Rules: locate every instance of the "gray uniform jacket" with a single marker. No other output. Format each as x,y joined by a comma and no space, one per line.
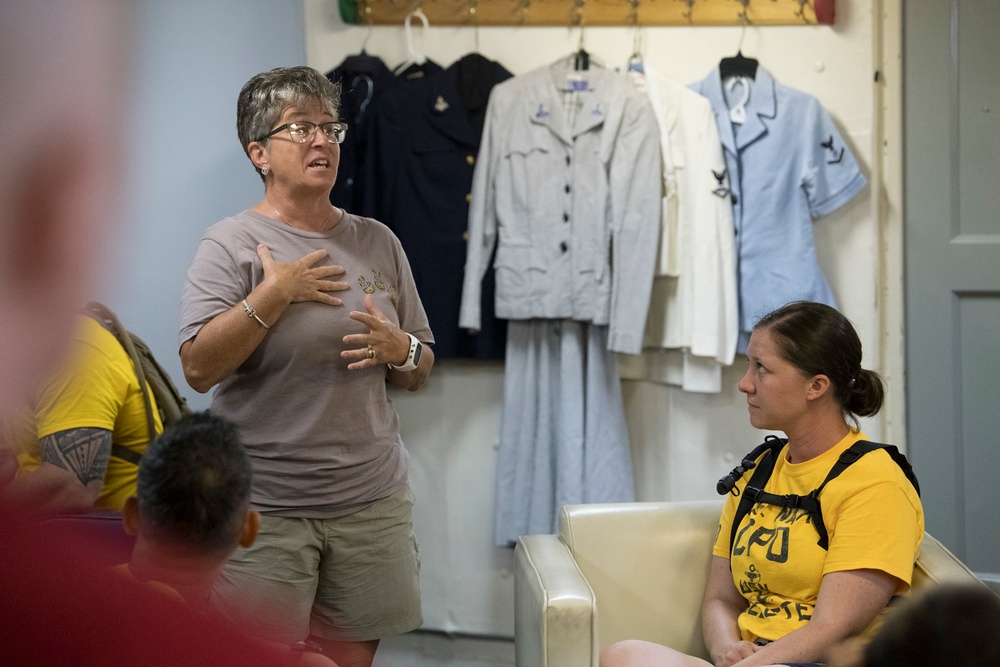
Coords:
567,191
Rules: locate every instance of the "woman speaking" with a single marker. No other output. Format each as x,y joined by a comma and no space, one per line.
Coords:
301,313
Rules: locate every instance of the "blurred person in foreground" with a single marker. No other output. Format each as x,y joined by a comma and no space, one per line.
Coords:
191,511
63,74
777,595
957,625
300,314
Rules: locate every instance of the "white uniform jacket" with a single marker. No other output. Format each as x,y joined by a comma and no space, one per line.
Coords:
567,189
694,307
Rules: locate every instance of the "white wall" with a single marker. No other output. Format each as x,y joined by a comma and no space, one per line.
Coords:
682,442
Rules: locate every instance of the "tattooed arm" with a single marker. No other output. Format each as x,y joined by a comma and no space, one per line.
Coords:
71,475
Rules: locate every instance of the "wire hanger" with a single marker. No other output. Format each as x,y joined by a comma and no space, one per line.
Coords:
581,59
475,25
739,65
371,26
368,36
635,63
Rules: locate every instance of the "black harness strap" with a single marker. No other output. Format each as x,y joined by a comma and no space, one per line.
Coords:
862,447
126,454
754,491
771,447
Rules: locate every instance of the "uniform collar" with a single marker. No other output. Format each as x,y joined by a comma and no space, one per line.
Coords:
446,107
362,63
545,100
762,105
445,110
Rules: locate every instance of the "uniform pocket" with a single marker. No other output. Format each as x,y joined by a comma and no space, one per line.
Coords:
438,160
520,271
524,177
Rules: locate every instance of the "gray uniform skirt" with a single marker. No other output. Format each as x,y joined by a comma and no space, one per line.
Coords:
563,437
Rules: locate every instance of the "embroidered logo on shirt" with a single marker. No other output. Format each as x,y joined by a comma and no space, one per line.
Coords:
597,110
541,113
835,155
440,105
369,286
722,190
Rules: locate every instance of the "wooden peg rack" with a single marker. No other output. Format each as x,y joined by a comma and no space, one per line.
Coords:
591,12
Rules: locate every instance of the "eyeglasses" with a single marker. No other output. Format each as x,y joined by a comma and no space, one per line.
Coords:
303,132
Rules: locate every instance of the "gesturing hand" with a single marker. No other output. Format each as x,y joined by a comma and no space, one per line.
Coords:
384,344
300,281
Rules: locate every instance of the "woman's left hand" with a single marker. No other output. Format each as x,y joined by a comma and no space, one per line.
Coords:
385,343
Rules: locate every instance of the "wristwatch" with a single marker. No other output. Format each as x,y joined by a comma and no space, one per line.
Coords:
413,358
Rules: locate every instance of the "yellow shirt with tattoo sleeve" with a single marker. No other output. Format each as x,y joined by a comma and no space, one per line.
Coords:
96,388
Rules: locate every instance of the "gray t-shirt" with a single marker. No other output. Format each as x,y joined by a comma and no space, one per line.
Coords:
324,441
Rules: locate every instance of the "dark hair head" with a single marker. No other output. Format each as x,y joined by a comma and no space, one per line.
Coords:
194,483
265,96
819,340
950,624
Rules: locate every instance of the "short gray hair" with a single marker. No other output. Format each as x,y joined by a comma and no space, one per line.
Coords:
265,96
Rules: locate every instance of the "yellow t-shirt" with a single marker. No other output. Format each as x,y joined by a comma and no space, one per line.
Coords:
96,388
873,517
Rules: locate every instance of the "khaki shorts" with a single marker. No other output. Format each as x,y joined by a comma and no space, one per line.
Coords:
352,578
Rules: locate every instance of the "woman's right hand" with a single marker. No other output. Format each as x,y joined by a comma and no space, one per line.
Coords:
229,338
736,652
300,280
720,611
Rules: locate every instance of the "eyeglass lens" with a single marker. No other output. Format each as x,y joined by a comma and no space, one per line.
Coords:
303,132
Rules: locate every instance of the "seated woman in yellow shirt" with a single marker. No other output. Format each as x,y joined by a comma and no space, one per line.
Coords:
776,594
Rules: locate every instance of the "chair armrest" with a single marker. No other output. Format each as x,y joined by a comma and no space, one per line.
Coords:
936,565
554,606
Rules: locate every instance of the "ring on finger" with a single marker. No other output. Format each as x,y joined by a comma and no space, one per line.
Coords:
371,352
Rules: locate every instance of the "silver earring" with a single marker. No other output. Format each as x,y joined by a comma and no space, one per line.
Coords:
264,170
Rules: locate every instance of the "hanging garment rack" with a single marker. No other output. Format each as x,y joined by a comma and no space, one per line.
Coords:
593,12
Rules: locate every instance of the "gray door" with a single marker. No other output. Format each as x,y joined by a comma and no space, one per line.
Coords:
951,118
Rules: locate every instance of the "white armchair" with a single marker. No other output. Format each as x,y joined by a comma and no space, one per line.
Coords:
633,571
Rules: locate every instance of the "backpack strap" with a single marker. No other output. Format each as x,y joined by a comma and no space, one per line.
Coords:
126,454
848,457
109,321
862,447
728,483
771,449
810,503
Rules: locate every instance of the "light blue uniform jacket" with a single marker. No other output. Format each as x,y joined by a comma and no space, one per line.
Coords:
571,208
787,165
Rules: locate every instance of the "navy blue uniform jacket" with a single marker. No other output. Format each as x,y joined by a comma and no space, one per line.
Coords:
424,139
